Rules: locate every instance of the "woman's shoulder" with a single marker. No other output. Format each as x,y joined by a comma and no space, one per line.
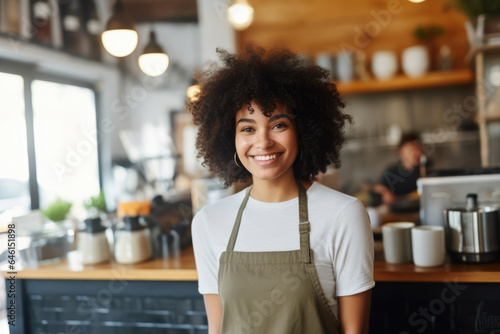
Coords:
330,198
336,208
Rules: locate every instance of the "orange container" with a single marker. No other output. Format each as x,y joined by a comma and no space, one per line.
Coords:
135,208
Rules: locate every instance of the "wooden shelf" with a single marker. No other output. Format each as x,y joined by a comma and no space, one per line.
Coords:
488,118
402,82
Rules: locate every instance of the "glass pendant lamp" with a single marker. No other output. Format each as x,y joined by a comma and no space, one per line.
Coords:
240,14
120,38
153,61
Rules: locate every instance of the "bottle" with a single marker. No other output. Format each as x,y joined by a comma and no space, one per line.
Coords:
93,30
71,22
41,14
10,17
445,61
471,202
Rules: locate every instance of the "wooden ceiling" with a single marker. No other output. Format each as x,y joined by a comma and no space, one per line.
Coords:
162,10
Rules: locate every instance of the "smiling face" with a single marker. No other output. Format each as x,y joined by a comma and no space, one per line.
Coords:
266,146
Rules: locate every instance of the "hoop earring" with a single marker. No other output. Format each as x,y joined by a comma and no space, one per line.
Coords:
235,160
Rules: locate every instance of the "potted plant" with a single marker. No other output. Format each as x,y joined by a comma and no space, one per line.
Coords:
418,59
96,205
484,19
55,238
57,211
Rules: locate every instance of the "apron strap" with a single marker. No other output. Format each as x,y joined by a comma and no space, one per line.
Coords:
236,227
304,225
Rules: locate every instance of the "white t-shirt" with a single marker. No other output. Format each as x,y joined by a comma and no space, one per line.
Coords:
341,238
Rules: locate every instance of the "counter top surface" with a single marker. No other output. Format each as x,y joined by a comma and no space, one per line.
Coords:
408,272
171,269
184,269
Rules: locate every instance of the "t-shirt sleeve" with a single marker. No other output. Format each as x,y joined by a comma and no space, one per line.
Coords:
353,262
205,258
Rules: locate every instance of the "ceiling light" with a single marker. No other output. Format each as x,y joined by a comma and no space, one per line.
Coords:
153,60
192,92
416,1
240,14
120,38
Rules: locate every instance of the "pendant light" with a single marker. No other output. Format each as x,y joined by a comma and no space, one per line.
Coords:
120,38
153,60
193,91
240,14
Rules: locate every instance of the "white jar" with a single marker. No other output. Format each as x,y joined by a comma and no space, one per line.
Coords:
345,66
415,61
324,60
384,64
131,241
92,242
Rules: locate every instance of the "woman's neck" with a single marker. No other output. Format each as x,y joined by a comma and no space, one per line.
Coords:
278,190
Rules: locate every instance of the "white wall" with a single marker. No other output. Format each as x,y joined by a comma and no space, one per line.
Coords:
215,30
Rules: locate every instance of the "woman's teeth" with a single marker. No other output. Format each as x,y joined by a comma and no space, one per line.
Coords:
265,157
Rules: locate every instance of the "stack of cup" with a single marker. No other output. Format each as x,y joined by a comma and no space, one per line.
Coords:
404,242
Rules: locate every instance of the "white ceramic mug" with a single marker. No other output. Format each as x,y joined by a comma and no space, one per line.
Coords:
415,61
345,66
384,64
324,59
428,246
396,238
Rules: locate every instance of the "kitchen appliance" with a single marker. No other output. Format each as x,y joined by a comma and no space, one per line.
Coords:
473,232
439,193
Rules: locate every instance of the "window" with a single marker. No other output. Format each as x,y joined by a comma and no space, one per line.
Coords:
48,134
64,123
14,168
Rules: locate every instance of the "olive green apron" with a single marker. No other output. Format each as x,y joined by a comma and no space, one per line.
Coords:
273,292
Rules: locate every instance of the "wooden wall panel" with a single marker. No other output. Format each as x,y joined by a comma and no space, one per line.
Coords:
314,26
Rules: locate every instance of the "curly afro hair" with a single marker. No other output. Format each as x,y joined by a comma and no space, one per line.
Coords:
267,77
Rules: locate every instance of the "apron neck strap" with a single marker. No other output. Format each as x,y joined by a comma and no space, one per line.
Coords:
236,227
304,225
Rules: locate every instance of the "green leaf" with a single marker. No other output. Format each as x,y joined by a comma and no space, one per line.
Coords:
97,202
57,211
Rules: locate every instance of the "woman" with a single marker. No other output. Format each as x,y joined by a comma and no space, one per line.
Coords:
287,254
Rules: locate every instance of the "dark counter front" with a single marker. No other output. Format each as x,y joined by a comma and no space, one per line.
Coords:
108,307
157,296
161,297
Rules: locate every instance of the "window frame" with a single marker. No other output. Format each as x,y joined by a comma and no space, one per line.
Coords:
30,72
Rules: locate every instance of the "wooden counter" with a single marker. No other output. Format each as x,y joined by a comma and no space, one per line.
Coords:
181,269
474,273
184,269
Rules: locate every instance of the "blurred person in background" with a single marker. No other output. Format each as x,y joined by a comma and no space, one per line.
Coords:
399,180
